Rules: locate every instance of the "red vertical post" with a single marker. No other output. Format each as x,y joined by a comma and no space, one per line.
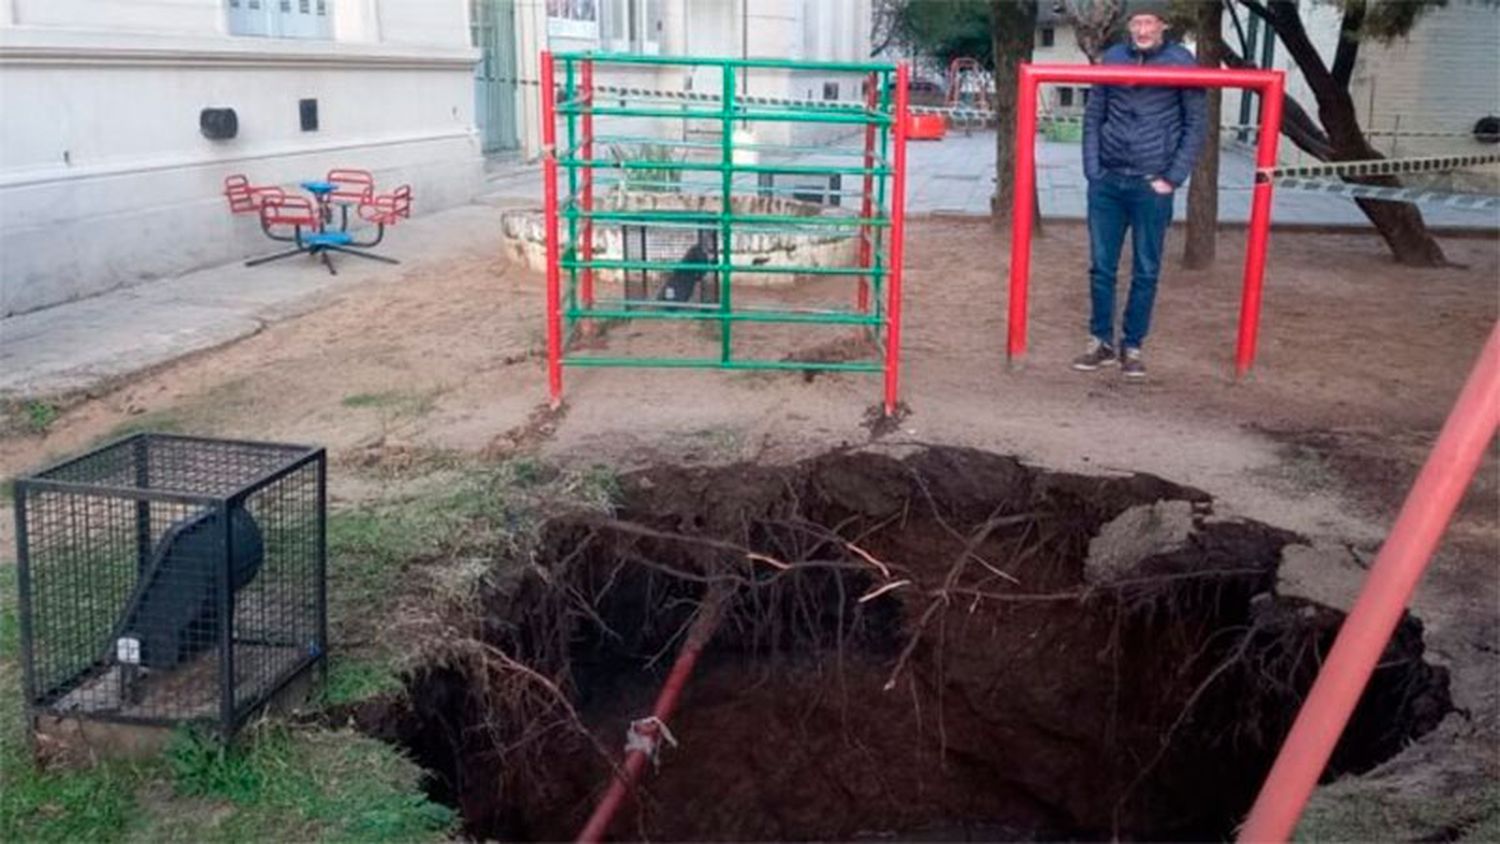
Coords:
898,242
588,182
1393,577
1023,183
549,196
867,200
1260,224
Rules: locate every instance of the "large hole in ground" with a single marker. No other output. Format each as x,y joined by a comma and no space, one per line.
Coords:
1069,656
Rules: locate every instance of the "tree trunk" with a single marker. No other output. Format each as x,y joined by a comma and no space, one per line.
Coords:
1400,224
1013,25
1203,190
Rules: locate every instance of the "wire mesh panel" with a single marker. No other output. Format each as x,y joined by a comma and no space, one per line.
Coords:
166,579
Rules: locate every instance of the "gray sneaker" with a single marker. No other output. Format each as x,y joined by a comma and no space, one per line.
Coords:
1099,353
1131,364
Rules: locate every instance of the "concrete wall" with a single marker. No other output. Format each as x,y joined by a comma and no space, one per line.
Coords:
1443,78
105,179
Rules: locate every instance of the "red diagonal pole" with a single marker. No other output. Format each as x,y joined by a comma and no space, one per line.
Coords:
1423,518
629,773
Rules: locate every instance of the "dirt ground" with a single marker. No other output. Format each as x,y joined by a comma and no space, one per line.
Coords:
1359,363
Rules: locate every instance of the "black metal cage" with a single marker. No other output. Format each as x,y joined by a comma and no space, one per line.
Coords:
166,579
685,245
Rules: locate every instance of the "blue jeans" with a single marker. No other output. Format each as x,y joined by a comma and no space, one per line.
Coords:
1115,203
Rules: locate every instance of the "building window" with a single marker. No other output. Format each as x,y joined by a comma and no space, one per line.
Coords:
830,90
573,18
630,26
280,18
1049,35
1065,97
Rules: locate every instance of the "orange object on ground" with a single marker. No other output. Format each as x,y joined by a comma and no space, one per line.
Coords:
927,127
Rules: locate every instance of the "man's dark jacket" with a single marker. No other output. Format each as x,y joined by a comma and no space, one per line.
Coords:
1147,132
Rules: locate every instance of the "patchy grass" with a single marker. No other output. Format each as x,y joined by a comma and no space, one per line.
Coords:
396,403
39,416
298,785
460,532
351,680
29,417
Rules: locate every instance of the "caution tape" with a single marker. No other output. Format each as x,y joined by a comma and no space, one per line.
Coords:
1379,167
955,112
1470,201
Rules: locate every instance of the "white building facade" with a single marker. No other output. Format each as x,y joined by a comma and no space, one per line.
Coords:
799,30
106,178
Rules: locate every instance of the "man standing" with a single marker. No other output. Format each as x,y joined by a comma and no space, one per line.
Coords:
1139,145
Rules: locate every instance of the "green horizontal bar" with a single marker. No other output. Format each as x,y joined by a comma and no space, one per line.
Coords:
715,145
654,310
715,268
607,179
719,167
709,217
715,363
784,64
809,116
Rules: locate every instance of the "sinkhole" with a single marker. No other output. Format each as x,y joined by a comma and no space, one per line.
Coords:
947,644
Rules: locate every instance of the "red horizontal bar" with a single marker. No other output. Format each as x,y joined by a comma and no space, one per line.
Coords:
1188,77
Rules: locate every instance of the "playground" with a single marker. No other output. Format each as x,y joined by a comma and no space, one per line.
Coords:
940,589
406,382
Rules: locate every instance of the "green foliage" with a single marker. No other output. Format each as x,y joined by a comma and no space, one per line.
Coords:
40,415
313,784
354,680
946,29
636,173
97,804
1387,21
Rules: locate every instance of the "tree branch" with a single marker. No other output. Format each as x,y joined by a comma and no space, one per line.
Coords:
1296,123
1349,35
1284,18
1239,28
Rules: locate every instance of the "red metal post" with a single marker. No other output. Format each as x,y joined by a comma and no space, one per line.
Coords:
666,703
1023,184
1455,457
549,194
587,200
898,241
1260,225
867,202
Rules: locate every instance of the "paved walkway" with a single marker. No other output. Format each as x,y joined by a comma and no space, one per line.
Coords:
956,176
82,344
